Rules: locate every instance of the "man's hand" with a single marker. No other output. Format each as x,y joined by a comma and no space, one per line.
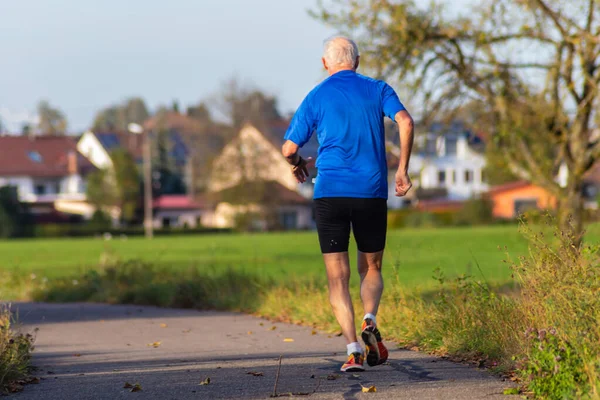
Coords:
403,183
301,171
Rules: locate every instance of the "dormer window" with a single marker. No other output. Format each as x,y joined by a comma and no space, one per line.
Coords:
35,156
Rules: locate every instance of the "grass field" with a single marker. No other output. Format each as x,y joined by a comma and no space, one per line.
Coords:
416,252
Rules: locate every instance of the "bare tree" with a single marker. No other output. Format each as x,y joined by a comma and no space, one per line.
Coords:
534,63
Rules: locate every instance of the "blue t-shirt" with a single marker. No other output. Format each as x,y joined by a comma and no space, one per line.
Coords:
346,110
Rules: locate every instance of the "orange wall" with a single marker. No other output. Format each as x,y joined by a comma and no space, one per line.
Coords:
504,202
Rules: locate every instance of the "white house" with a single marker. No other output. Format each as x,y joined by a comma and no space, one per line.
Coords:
447,163
46,171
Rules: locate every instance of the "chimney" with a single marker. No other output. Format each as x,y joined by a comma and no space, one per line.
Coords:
72,162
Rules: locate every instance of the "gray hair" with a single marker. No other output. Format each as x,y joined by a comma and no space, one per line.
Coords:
340,51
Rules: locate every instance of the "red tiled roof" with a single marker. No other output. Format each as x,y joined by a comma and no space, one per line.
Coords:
176,202
39,156
509,186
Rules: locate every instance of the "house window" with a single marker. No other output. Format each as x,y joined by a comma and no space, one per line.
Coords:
451,146
441,177
523,205
289,220
430,146
40,190
468,176
35,156
484,177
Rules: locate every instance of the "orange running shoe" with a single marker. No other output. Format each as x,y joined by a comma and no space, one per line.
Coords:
377,353
354,363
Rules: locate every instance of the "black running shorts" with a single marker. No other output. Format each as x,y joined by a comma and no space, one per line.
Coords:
335,216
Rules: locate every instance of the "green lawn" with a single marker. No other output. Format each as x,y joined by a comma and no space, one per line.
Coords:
417,252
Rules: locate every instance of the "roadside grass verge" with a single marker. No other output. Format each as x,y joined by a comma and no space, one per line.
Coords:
15,354
546,332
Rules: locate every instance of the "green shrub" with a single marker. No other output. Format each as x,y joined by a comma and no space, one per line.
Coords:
475,212
15,353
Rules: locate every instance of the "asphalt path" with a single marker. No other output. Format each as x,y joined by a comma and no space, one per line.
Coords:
91,351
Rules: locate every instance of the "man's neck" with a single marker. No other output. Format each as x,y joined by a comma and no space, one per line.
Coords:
340,69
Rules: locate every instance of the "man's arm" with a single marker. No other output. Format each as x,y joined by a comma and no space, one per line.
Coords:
406,130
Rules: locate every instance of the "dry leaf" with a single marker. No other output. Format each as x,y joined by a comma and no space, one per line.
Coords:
255,373
155,344
370,389
273,328
250,332
313,332
163,325
136,388
205,382
332,377
356,375
127,385
288,340
261,324
77,355
186,330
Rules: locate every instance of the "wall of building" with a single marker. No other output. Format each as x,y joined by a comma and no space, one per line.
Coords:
504,202
91,148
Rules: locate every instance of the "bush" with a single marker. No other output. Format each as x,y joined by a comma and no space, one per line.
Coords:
561,301
475,212
15,354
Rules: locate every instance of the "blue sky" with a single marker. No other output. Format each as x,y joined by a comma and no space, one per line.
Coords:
82,55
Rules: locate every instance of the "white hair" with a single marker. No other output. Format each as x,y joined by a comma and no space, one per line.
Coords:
340,51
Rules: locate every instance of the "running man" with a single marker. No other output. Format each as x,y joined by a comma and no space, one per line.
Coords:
346,110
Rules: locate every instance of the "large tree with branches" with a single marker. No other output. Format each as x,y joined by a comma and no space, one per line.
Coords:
533,64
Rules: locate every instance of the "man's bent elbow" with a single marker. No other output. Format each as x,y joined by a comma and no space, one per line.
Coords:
289,149
404,119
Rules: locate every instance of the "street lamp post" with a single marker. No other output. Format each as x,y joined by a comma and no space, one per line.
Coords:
147,168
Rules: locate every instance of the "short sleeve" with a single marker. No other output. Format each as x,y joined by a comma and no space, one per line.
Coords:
390,101
303,123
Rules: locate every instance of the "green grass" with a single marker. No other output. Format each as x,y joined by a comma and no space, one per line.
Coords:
276,255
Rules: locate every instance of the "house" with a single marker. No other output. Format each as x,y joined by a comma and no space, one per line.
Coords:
512,199
176,211
446,163
48,173
274,205
256,155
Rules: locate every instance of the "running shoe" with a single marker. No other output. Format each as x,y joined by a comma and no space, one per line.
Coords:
377,354
354,363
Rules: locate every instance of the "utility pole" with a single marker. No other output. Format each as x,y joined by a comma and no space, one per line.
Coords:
147,172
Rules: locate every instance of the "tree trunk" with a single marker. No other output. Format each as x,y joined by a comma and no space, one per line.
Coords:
570,212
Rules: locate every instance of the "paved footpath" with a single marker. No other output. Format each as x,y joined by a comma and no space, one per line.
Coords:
89,351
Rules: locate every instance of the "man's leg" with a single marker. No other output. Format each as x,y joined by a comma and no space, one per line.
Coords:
371,281
333,226
369,223
338,275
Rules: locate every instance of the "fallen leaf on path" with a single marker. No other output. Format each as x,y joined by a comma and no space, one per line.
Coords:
205,382
250,332
288,340
136,388
339,334
313,332
273,328
312,377
261,324
356,375
186,330
155,344
370,389
253,373
163,325
77,355
333,377
127,385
